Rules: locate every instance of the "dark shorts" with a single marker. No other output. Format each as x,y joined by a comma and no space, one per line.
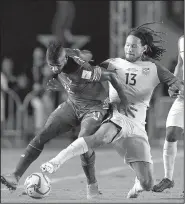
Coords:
69,115
82,109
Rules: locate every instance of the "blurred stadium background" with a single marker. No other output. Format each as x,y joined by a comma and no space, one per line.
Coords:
100,26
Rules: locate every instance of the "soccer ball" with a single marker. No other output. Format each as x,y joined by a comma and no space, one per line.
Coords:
37,185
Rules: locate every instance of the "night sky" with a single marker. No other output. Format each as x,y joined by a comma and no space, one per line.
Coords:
23,20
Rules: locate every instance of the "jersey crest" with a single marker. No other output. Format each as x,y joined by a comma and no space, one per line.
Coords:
145,71
86,74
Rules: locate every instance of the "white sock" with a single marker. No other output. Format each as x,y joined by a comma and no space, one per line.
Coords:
169,155
78,147
137,185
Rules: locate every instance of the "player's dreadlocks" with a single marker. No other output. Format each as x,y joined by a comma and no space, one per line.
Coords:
146,35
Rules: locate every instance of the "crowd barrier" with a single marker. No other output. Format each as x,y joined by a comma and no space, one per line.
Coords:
17,122
11,126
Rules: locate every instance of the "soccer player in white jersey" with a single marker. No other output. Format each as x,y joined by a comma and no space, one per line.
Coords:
174,127
140,76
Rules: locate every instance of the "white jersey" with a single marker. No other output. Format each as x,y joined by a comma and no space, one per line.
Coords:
176,113
140,79
181,51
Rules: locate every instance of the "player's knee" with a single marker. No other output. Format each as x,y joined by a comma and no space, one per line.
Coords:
97,141
173,133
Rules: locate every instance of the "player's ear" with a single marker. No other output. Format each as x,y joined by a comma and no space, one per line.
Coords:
145,48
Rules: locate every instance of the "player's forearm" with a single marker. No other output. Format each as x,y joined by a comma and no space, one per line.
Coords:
85,55
119,87
165,76
82,63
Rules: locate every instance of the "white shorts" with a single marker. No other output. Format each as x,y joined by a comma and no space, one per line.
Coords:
128,126
176,114
132,140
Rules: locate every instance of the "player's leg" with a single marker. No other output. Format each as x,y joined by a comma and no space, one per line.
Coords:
169,155
144,178
174,130
56,124
135,150
107,133
89,125
104,135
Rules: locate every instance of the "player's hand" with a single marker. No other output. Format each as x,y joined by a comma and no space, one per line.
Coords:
54,84
176,89
129,109
173,93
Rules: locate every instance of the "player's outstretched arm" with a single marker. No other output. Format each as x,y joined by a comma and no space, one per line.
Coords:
94,74
165,76
115,80
100,74
85,55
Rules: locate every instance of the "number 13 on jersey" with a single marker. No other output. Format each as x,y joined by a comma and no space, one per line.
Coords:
130,78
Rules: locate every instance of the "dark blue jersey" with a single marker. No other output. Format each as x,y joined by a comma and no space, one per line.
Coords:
82,82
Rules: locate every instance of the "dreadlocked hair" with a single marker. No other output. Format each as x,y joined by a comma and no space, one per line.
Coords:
53,51
146,35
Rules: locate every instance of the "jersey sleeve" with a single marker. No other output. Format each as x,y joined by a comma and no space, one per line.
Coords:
165,76
92,75
108,64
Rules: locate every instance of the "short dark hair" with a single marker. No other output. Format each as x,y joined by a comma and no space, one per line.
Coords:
53,51
146,35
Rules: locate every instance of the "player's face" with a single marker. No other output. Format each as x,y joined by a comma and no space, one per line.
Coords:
57,67
133,48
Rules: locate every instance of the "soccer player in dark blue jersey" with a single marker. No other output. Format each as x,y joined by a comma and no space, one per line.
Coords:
87,88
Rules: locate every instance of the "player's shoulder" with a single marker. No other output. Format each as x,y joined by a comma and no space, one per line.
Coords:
110,60
117,60
149,61
106,63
